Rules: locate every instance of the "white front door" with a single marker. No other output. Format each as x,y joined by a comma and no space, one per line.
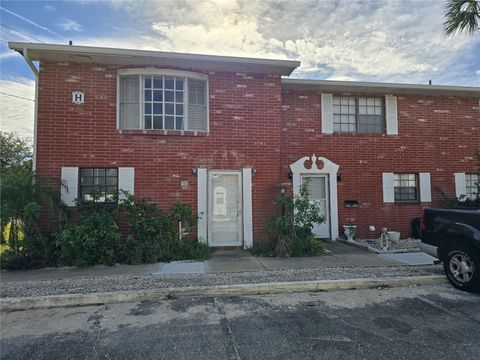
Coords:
318,186
224,208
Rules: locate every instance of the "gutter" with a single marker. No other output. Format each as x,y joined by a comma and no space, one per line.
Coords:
35,71
372,87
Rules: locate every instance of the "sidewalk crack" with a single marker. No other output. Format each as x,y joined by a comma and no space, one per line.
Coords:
230,343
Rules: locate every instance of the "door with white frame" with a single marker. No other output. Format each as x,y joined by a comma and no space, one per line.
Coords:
225,208
318,186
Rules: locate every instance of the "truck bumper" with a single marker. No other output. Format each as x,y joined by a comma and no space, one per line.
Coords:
429,249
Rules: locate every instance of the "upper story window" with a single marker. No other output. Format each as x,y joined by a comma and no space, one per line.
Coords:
152,99
405,187
472,185
98,184
358,114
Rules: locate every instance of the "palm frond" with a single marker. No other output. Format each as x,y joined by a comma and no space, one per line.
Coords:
461,15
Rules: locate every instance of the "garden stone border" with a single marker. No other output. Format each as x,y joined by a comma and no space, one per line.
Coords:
378,251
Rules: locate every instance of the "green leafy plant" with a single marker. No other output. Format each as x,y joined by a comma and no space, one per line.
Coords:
461,15
291,228
156,236
262,249
463,200
25,195
94,239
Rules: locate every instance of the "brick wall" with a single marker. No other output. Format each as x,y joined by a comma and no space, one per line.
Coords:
436,134
254,124
245,129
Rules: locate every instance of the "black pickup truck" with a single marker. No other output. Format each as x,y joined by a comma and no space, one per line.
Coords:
453,236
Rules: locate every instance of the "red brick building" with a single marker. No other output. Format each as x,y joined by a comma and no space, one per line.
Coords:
228,135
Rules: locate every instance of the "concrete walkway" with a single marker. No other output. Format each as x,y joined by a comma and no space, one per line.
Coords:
232,261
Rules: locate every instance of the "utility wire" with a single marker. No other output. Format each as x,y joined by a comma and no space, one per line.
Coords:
15,96
19,36
21,32
31,22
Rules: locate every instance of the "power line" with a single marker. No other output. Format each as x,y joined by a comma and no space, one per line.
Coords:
31,22
21,32
20,37
15,96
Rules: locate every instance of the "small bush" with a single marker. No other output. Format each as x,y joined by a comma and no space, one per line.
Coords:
261,249
291,228
156,235
93,240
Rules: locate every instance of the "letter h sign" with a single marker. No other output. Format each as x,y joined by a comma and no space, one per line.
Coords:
78,97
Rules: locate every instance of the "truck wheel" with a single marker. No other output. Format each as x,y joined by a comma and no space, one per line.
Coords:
462,266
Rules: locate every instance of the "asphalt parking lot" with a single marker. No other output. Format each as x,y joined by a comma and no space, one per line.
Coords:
426,322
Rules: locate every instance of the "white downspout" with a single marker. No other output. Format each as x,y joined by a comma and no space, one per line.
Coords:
35,114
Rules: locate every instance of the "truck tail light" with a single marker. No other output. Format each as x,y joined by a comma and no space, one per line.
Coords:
423,224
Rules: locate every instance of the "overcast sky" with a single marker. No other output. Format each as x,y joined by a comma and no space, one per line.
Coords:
385,40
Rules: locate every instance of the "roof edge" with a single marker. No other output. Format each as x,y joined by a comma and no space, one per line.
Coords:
117,52
377,86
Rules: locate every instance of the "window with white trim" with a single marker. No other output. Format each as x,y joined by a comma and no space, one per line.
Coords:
471,185
99,184
153,100
405,187
358,114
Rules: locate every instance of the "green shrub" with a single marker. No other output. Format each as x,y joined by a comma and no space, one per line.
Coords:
261,249
155,235
36,251
291,228
93,240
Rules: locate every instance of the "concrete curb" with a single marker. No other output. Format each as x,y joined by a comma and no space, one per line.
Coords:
40,302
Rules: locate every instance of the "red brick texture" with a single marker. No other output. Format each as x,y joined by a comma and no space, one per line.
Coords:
245,129
438,135
253,124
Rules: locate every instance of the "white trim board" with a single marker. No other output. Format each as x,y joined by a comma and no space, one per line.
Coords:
329,168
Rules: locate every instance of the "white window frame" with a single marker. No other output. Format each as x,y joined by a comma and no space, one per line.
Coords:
417,188
357,114
163,72
471,184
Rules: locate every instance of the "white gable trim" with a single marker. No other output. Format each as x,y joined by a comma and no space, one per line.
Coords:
329,168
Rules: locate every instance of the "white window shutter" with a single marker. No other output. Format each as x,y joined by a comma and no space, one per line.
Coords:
69,187
129,102
327,113
202,205
425,187
388,193
197,105
126,181
460,184
391,115
247,209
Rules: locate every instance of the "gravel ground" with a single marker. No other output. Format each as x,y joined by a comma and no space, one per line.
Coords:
119,283
404,244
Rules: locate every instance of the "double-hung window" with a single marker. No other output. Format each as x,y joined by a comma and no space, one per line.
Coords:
472,185
162,100
358,114
405,187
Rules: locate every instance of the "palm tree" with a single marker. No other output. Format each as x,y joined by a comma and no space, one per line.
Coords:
462,15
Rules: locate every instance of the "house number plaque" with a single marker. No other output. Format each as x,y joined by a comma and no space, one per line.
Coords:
78,97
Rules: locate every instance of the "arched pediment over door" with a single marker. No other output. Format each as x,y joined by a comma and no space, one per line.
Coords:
318,168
